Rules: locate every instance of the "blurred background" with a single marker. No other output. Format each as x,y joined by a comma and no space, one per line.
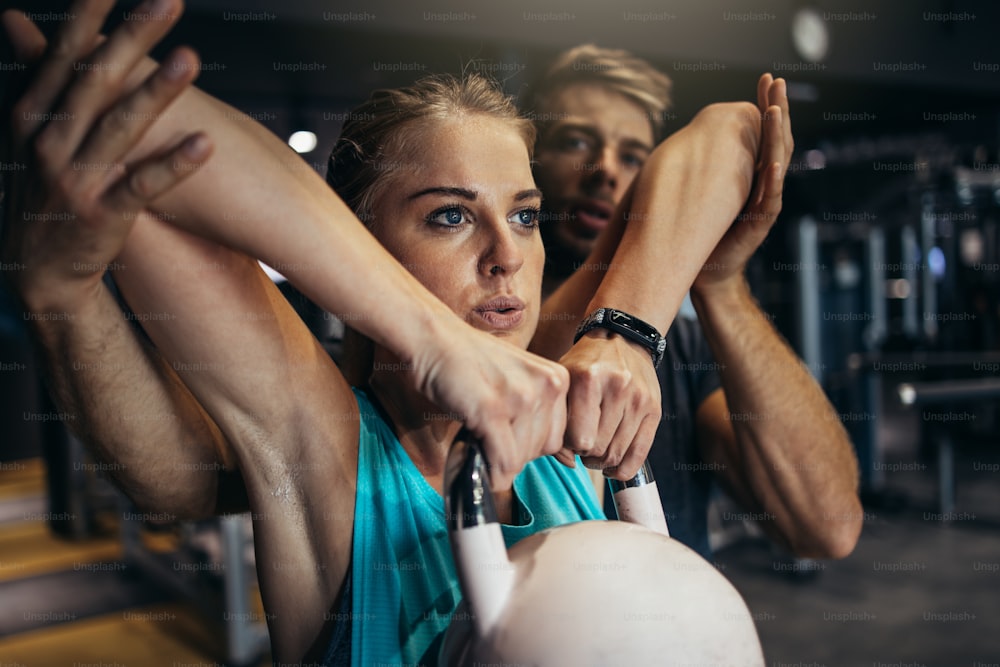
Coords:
883,272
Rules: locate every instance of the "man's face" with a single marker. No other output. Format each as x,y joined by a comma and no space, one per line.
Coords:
586,159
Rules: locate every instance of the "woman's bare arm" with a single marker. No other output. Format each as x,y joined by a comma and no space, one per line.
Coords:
280,403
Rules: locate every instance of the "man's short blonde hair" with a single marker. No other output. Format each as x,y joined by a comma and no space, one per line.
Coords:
615,69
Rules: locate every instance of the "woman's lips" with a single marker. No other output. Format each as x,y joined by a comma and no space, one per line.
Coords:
501,313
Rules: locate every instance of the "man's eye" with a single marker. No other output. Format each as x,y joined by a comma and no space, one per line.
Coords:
633,160
569,141
575,144
448,217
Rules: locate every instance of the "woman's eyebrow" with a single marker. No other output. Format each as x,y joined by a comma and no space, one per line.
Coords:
441,190
470,195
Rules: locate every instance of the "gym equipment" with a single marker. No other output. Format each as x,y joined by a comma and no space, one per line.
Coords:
219,584
949,392
902,286
590,593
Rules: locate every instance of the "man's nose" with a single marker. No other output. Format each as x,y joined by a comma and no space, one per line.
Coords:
606,168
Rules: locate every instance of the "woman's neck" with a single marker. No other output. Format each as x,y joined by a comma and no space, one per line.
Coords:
424,431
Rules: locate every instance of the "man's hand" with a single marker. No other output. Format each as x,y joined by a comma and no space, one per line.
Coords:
72,128
734,250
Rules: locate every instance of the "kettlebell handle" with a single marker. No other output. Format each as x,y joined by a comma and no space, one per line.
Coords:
485,573
469,498
637,500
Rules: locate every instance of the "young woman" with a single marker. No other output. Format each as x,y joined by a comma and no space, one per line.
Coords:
344,485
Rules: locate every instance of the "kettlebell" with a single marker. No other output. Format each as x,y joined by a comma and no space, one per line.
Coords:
592,593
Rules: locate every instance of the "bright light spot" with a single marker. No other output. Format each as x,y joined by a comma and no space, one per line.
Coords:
898,289
815,159
935,260
303,141
971,246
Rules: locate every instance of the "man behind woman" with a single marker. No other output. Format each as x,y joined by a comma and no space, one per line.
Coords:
738,405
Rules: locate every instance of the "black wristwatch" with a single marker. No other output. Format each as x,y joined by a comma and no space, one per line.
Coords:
628,326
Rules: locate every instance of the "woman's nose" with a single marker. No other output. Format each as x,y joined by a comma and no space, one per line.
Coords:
503,254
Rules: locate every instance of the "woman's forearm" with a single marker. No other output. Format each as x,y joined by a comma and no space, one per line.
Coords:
257,196
686,196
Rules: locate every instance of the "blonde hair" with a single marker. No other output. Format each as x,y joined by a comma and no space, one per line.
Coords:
615,69
377,133
362,161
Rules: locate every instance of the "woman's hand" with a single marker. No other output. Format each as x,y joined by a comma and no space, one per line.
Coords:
614,403
513,400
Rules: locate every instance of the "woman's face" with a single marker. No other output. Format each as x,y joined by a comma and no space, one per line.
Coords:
461,214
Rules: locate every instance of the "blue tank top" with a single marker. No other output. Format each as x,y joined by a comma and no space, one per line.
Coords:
402,583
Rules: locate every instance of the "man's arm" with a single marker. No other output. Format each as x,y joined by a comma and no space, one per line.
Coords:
779,444
131,409
124,401
686,196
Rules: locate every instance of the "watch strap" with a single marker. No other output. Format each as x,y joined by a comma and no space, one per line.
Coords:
628,326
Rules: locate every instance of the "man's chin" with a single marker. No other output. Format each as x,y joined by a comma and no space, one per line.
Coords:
567,249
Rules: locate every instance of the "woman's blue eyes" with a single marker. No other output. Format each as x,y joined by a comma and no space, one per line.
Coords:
449,217
453,216
527,217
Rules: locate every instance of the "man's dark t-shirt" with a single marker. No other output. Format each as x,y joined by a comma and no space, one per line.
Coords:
688,374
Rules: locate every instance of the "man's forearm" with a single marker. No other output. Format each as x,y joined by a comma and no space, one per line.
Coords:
792,459
127,405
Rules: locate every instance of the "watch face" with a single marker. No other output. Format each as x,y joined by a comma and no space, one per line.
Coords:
810,35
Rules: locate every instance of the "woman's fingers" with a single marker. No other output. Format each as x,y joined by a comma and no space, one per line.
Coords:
516,402
636,451
565,457
614,395
583,413
626,452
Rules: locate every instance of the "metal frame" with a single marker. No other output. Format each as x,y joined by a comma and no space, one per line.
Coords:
246,638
